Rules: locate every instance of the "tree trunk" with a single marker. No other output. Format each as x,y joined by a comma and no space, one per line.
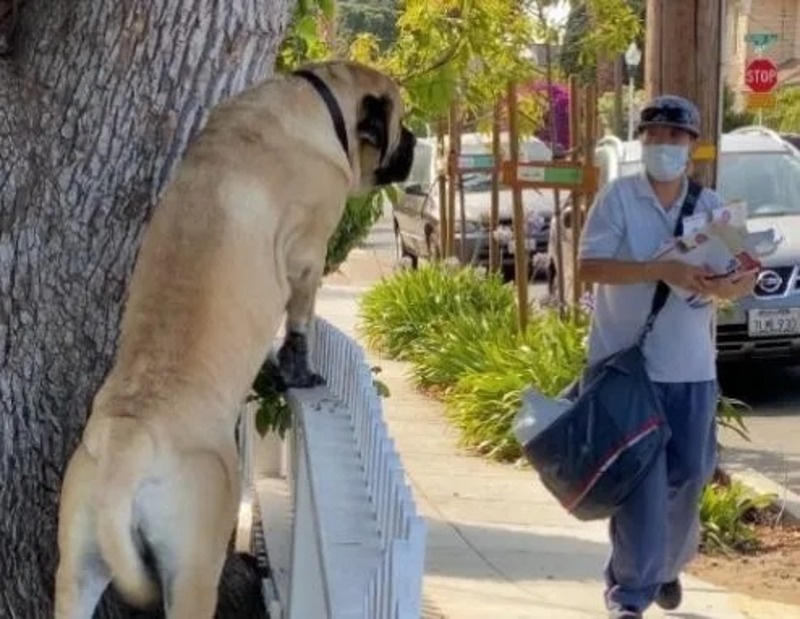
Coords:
97,103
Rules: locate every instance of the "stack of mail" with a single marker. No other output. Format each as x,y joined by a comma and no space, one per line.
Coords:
719,240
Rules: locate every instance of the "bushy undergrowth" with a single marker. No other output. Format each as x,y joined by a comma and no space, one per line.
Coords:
457,328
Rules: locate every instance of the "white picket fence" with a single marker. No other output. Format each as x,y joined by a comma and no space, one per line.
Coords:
342,535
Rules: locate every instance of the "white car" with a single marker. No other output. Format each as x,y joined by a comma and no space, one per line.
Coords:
756,166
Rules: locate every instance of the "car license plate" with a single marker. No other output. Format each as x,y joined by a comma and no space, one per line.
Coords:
530,245
770,322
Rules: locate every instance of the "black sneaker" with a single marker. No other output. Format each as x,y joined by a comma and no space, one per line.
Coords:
625,612
669,595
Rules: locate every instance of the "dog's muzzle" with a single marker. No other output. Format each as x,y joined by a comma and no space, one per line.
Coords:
399,165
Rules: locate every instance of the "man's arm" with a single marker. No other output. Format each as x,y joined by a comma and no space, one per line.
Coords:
601,239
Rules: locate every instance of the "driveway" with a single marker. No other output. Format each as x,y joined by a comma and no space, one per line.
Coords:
773,422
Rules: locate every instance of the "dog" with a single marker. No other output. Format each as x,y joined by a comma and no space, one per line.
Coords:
236,243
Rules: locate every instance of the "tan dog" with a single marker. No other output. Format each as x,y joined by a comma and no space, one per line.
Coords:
150,496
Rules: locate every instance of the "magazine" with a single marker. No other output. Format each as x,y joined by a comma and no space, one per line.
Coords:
719,240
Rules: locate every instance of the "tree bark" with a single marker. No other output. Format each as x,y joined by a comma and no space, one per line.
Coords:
692,69
97,104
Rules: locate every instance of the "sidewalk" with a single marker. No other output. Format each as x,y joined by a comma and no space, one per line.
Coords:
499,547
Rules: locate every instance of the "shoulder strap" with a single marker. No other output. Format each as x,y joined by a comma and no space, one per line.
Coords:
662,288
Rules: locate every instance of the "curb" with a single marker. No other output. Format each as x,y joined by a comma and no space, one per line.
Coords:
761,484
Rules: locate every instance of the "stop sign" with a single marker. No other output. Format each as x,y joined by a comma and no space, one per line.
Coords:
761,75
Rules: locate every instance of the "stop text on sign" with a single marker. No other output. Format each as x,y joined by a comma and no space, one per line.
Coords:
761,75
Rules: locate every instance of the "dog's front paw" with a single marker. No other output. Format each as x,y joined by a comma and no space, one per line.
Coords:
293,363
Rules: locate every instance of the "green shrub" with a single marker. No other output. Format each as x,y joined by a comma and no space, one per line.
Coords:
401,310
360,214
458,328
726,513
484,401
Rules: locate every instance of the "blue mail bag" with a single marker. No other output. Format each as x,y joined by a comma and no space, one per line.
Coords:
596,452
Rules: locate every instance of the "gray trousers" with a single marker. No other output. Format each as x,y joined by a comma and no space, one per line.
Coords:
657,531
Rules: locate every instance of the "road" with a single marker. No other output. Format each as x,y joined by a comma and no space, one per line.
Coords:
774,418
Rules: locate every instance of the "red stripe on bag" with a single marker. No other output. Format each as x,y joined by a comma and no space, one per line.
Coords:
629,441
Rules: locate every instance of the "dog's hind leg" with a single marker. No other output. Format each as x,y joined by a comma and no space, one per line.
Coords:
80,583
293,356
82,576
199,544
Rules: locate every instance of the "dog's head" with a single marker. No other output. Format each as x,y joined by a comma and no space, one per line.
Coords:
371,103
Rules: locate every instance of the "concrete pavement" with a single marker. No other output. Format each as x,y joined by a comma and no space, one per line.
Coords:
499,546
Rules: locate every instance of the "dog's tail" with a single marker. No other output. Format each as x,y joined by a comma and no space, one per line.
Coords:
130,451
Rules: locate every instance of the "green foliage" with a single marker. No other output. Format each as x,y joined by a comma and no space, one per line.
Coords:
731,118
785,116
399,311
597,30
274,413
377,18
483,402
448,48
303,42
457,327
605,110
360,214
726,514
730,415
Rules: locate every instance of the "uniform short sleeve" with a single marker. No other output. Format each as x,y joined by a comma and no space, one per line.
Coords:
604,228
709,200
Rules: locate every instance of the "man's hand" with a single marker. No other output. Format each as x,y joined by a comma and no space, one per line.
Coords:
692,278
732,287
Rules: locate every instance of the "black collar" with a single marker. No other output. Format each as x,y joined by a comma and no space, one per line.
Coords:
330,102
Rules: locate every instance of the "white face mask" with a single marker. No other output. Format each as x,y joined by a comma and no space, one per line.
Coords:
665,162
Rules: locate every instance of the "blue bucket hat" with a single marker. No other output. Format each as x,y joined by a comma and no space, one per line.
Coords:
670,111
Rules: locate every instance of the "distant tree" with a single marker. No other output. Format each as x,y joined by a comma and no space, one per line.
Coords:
731,117
598,30
375,17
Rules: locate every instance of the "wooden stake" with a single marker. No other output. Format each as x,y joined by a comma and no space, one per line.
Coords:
578,146
452,177
591,131
442,172
494,217
520,262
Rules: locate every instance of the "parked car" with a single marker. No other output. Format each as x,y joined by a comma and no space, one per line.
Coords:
758,166
416,213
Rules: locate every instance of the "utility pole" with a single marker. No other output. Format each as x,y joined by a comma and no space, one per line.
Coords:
692,69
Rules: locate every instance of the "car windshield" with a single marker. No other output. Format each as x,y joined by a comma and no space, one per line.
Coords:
768,181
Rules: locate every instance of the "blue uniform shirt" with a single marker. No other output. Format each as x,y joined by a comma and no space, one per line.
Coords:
627,222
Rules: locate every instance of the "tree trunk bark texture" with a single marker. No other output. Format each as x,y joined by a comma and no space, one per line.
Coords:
692,69
97,104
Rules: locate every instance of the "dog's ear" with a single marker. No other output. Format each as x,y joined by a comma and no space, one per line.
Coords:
373,122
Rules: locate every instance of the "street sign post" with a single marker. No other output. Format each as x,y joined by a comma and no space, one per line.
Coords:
761,77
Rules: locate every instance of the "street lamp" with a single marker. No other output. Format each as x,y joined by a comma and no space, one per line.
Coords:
633,56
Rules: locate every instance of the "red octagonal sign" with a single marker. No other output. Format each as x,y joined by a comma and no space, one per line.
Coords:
761,75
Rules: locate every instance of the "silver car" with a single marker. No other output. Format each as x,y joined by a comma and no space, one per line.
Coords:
756,166
416,213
